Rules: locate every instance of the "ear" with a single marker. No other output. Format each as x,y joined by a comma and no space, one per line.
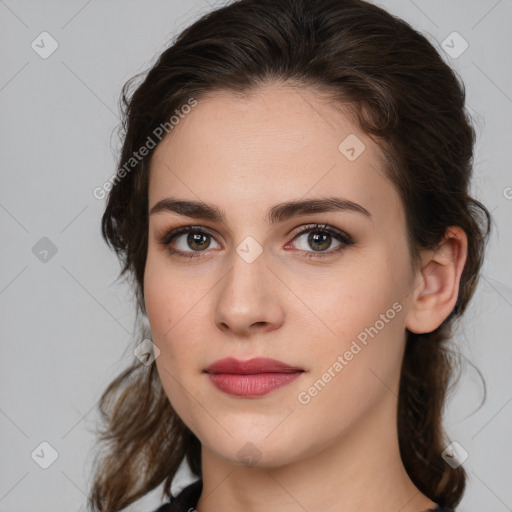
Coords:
437,282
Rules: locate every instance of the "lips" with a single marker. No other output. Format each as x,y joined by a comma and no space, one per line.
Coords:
252,378
251,367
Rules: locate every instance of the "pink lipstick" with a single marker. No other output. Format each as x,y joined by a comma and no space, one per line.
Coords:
252,378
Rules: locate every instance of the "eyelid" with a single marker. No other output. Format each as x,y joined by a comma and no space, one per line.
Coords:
168,236
343,237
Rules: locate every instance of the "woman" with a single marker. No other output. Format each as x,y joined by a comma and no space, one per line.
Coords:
292,204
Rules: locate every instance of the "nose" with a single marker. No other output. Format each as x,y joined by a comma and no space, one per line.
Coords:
248,298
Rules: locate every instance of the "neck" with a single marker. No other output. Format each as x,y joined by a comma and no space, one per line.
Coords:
362,470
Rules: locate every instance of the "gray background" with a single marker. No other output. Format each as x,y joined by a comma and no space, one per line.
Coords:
66,323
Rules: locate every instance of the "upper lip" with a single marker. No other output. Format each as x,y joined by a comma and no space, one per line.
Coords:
251,366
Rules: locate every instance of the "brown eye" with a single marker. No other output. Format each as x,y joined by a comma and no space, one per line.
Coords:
186,241
197,241
322,241
320,238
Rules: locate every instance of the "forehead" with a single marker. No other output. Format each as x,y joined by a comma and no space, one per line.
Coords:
278,143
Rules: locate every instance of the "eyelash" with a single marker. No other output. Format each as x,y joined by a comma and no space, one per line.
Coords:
339,235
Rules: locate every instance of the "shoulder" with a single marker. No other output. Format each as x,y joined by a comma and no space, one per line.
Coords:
187,499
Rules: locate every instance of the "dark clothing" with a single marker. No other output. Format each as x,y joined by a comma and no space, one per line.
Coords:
187,499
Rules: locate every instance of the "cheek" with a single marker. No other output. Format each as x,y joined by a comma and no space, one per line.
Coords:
363,319
168,296
158,295
357,296
172,308
170,314
359,360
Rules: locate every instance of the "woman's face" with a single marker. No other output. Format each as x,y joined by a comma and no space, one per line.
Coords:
331,305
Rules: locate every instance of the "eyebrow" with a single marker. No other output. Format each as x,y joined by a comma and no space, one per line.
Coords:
278,213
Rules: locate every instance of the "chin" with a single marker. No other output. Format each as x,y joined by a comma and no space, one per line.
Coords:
253,451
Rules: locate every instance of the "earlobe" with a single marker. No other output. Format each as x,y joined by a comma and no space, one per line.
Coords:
439,277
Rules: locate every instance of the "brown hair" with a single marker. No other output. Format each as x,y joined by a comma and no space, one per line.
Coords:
401,93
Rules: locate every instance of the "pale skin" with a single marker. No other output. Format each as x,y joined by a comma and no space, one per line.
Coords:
339,452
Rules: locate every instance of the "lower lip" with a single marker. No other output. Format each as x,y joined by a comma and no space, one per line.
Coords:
257,384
